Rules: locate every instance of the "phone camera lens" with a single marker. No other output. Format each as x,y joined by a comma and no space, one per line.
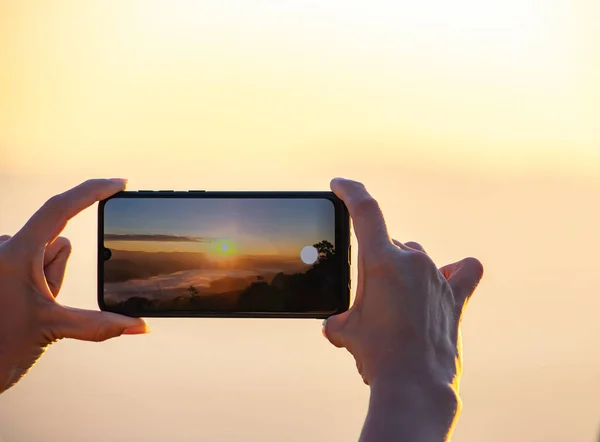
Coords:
107,254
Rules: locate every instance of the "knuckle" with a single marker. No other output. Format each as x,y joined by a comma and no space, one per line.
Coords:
55,202
103,332
384,262
89,184
357,185
419,259
93,187
419,262
360,185
414,245
367,204
56,205
48,315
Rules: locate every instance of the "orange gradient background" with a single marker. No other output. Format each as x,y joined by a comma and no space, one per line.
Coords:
475,124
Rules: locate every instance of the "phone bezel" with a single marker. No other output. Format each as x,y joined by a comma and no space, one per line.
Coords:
342,239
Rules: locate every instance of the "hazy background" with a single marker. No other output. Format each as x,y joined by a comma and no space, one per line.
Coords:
475,124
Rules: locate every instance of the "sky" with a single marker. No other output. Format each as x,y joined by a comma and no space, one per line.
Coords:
255,226
473,123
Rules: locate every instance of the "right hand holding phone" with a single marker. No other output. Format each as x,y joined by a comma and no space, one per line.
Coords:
404,324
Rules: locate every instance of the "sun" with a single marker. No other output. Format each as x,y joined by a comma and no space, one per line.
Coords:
224,248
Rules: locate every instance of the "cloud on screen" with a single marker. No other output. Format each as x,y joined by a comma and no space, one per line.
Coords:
162,286
155,238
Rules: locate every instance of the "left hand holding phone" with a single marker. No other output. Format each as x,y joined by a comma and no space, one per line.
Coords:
32,267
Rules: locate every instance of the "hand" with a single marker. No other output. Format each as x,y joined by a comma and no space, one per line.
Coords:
404,326
32,268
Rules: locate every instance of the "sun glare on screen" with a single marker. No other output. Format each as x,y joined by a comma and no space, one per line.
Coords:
224,248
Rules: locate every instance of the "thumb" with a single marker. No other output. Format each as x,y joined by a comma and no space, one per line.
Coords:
463,277
97,326
333,329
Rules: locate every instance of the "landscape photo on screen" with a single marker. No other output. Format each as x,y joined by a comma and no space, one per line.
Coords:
226,254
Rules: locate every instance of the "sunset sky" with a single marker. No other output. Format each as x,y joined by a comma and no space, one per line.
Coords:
250,226
474,123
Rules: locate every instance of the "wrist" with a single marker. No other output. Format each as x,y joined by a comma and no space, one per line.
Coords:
6,375
417,407
9,373
419,393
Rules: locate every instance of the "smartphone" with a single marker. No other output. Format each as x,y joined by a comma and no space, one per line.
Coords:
223,254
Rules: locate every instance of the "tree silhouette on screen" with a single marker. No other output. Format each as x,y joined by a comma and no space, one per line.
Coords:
325,249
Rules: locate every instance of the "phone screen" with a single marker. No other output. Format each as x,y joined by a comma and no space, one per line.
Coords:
162,255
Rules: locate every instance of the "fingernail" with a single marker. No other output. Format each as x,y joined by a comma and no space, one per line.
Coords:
119,180
137,330
323,328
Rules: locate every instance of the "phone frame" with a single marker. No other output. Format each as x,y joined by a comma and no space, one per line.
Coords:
342,243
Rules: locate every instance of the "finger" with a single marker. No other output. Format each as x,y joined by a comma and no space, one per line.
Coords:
56,256
333,329
410,245
369,223
464,277
97,326
4,239
5,242
47,223
415,246
52,250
